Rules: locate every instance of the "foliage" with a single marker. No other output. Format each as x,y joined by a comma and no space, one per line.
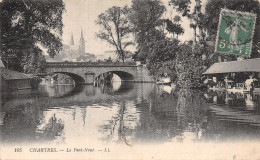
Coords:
161,57
196,16
174,28
115,29
25,26
145,17
182,6
191,108
177,19
189,66
154,48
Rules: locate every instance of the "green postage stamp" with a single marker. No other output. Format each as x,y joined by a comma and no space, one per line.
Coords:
235,32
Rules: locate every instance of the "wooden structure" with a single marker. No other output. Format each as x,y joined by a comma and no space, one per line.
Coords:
232,75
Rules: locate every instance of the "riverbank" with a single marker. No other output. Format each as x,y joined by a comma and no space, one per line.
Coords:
13,80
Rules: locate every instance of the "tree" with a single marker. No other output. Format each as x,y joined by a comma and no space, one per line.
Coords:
173,28
189,66
115,29
26,24
196,16
161,57
154,48
145,17
177,19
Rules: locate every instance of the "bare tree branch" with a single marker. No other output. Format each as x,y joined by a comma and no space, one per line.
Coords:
114,28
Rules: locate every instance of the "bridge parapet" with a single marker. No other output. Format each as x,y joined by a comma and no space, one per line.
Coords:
89,64
86,72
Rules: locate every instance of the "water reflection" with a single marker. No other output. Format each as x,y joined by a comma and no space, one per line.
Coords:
116,87
191,115
127,113
51,129
60,90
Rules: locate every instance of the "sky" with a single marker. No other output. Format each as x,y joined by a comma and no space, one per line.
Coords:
82,14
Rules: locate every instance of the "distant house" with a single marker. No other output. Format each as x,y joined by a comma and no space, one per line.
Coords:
13,80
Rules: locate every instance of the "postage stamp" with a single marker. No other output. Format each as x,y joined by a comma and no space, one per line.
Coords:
235,32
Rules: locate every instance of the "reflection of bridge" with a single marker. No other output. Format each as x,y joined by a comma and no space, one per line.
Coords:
86,72
86,95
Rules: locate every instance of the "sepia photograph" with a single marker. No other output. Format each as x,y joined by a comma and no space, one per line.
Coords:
130,79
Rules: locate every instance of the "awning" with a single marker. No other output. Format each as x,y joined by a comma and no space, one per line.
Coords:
248,65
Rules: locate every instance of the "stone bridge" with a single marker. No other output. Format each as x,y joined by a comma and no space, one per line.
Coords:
87,72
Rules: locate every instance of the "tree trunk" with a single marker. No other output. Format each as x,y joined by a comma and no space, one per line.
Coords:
200,34
194,35
123,58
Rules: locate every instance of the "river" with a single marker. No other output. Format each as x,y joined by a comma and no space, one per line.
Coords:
127,114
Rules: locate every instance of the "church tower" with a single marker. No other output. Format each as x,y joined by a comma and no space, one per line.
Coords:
81,44
71,40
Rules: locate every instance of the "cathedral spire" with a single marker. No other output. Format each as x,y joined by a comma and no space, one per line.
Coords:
81,34
82,44
71,39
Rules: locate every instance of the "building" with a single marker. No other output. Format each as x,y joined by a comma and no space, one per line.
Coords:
71,52
13,80
234,75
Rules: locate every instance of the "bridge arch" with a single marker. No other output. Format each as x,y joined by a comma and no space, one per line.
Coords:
77,78
123,75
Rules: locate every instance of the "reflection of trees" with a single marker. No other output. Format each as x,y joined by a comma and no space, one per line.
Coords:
191,110
121,112
167,116
19,124
157,118
116,126
83,115
51,130
153,120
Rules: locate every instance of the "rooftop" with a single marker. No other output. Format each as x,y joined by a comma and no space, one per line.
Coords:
247,65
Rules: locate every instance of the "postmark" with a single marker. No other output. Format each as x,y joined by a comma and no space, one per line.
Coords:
235,32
